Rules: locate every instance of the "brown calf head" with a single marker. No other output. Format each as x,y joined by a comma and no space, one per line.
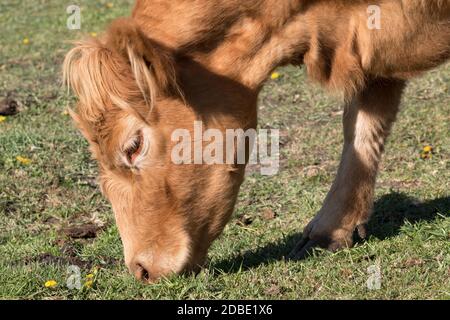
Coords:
132,97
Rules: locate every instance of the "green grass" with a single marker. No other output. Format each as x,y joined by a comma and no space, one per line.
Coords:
410,231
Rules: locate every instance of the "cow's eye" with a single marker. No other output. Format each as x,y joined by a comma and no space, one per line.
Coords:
134,147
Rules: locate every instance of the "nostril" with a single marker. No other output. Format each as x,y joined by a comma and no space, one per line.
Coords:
141,273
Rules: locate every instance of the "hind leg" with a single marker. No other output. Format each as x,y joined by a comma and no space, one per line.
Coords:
367,123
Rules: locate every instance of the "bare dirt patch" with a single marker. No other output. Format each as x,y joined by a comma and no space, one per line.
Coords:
83,231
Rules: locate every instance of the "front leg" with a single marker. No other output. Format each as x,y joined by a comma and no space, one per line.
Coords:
367,121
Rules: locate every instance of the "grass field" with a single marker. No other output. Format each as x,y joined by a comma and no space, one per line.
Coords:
40,199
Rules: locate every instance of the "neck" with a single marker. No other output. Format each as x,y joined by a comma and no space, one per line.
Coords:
240,40
243,41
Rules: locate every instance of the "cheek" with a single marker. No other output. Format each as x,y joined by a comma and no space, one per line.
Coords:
118,190
220,195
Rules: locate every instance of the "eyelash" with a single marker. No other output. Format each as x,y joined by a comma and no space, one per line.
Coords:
134,146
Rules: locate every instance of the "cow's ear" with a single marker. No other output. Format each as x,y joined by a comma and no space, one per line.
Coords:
152,65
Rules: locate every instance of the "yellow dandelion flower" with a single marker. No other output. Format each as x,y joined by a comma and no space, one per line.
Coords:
427,152
427,149
275,76
89,276
89,284
94,34
110,5
26,41
50,284
23,160
2,118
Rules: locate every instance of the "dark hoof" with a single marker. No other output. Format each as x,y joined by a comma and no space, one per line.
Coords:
303,249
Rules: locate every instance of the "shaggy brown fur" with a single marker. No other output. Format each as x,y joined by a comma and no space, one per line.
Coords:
177,61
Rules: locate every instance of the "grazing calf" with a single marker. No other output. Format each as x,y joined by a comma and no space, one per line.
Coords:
177,62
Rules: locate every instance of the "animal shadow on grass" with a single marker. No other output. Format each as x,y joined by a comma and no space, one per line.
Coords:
391,212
